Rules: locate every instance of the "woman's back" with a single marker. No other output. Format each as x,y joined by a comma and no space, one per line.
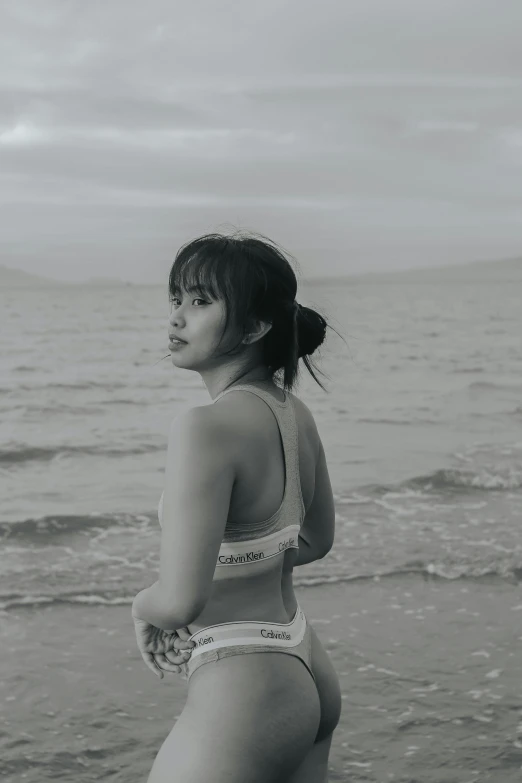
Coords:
261,589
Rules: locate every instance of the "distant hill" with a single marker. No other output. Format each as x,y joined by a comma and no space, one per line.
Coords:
105,281
503,270
17,278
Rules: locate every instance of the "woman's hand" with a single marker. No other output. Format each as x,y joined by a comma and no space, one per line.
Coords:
173,660
162,650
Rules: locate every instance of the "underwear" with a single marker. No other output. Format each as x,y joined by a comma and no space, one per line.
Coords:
238,638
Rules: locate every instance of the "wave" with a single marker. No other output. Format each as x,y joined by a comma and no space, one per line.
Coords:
80,385
16,601
60,408
426,571
490,385
50,527
24,453
457,480
397,422
445,481
450,481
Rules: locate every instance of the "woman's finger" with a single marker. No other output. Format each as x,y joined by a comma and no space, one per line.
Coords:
149,660
182,644
175,658
165,664
184,639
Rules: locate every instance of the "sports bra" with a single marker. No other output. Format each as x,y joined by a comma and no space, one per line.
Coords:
250,543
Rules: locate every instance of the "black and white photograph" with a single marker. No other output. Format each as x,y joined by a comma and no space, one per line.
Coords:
261,391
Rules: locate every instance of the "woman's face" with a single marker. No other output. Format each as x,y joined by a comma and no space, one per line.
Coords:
199,320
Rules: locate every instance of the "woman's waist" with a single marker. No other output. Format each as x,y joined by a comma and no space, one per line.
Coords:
228,605
287,592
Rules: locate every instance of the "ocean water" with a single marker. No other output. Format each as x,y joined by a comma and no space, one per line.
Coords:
422,428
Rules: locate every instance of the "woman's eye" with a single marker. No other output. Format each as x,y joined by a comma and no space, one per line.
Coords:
175,299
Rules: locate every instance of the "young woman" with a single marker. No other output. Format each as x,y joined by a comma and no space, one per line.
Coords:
247,498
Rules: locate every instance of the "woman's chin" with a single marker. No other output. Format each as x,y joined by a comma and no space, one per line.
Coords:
175,359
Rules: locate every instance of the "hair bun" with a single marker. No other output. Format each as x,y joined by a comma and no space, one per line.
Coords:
311,330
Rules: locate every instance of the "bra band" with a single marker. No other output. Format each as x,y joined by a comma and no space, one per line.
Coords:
239,552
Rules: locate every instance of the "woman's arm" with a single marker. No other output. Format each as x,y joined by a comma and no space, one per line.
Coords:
308,551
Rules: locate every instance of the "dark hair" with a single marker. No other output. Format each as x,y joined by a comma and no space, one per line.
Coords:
256,281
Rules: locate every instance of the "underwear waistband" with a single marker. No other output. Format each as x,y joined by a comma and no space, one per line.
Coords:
250,632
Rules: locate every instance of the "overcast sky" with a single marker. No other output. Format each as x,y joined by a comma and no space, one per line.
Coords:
361,135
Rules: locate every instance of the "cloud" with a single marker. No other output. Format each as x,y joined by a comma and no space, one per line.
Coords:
512,137
163,138
358,123
447,125
24,135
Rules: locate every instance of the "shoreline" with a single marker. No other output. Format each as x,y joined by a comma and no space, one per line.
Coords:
425,665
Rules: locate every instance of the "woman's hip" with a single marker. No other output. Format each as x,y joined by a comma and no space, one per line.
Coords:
248,718
245,639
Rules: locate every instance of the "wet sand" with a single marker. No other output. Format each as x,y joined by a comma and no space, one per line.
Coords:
430,670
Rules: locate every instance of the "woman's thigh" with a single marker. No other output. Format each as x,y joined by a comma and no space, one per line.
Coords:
247,719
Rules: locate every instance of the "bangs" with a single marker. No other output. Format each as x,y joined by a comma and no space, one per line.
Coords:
195,275
201,268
